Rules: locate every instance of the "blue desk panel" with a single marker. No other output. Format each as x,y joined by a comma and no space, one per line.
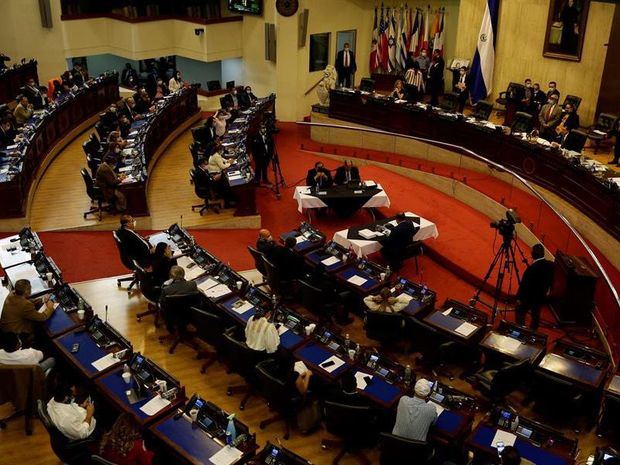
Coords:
193,441
449,422
59,322
88,353
383,391
316,354
115,385
348,272
316,258
228,305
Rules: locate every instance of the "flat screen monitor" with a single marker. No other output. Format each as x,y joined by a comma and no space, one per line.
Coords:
252,7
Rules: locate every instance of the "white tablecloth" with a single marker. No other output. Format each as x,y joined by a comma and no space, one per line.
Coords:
362,247
13,257
306,200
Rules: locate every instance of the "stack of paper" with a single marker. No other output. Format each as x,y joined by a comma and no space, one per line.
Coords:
243,307
357,280
466,328
235,177
447,312
360,379
282,329
153,406
104,362
330,261
511,344
218,291
370,183
367,233
207,284
503,436
226,456
299,239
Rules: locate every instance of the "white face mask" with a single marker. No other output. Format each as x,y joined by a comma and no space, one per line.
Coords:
134,223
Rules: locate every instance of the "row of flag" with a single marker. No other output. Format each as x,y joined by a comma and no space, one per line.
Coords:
399,31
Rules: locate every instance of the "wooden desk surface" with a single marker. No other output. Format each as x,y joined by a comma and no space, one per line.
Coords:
569,368
506,345
449,325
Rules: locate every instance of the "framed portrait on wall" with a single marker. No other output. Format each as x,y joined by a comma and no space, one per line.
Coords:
566,29
319,51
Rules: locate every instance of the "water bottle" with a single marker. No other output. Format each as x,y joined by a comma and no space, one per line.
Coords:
347,341
80,305
231,431
407,375
126,368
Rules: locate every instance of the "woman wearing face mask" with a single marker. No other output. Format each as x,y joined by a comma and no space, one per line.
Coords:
161,89
175,82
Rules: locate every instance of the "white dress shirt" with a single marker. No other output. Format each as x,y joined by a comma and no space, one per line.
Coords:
21,357
69,419
261,335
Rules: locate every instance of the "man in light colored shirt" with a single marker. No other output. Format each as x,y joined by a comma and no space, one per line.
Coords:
384,302
12,353
72,420
261,334
415,416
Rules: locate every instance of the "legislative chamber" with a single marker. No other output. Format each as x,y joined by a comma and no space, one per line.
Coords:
309,232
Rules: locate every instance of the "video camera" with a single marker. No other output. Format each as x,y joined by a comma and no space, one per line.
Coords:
506,227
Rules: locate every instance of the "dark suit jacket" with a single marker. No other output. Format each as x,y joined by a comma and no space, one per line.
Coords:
536,282
266,247
262,150
340,62
341,177
290,264
227,101
37,99
7,137
572,122
245,100
134,245
179,288
312,173
107,180
435,71
401,236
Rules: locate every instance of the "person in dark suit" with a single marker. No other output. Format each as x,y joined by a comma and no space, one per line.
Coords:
134,245
396,242
247,97
569,121
553,90
615,131
177,285
346,173
290,264
538,99
35,95
345,392
345,65
7,133
462,87
319,176
265,243
230,101
161,263
262,151
534,287
549,117
129,76
3,60
107,179
435,77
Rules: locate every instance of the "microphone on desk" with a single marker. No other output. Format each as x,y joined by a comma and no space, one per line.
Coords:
106,314
181,221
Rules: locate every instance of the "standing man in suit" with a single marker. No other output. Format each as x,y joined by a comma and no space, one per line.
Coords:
528,95
34,94
108,181
462,88
538,99
346,173
534,287
435,77
615,131
262,151
345,65
553,90
134,245
399,238
549,118
319,176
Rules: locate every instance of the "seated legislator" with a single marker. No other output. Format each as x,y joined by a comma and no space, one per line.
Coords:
319,176
18,313
230,101
217,163
549,117
396,242
108,181
535,284
161,89
143,101
128,109
12,353
289,263
176,82
23,111
399,90
345,392
134,245
384,302
162,262
247,98
569,121
35,95
414,415
124,445
7,133
261,334
265,243
72,420
177,285
346,173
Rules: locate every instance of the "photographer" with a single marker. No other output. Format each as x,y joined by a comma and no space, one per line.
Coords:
534,287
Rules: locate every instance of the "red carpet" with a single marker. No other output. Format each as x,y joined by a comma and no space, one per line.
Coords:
464,247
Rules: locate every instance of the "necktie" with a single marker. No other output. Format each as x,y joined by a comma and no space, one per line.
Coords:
550,111
348,175
346,59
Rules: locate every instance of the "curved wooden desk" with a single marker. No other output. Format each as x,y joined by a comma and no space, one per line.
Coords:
541,165
39,149
174,116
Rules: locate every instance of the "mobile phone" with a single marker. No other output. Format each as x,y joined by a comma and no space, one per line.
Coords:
499,445
75,347
327,364
191,265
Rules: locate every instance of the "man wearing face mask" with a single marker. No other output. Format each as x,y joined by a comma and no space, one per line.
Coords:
319,176
462,88
538,99
134,245
435,77
345,66
553,90
549,117
7,133
34,94
262,151
528,94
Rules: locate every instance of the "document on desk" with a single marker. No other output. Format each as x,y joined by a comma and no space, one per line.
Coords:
207,284
300,239
282,329
124,169
43,307
226,456
503,436
357,280
218,291
367,233
338,362
104,362
330,261
360,379
405,297
370,183
511,344
447,312
235,177
153,406
28,271
128,179
466,328
300,367
438,407
242,306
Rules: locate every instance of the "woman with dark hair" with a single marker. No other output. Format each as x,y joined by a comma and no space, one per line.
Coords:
124,444
176,82
161,263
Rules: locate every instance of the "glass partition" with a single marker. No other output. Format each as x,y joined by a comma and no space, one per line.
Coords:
541,221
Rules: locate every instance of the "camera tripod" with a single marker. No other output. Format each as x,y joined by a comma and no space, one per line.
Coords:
506,263
278,177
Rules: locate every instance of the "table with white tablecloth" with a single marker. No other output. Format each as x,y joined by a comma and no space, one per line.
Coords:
365,240
345,200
